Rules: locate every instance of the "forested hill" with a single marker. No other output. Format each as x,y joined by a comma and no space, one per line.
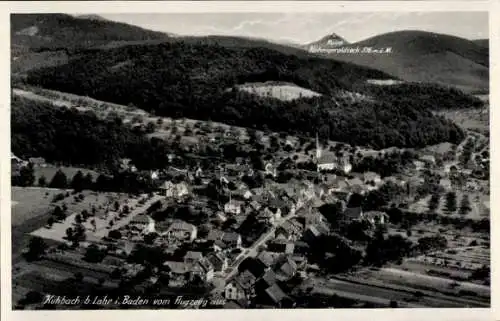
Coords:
427,57
198,81
62,31
67,136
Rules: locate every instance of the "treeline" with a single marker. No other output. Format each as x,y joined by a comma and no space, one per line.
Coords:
195,81
67,136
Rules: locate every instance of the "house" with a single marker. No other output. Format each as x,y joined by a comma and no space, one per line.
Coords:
255,206
272,214
280,246
192,257
241,287
132,270
274,295
286,269
181,231
204,269
221,217
355,185
265,281
375,217
428,159
179,273
37,161
290,230
218,261
198,172
175,190
312,233
182,189
266,258
247,195
352,213
445,183
233,207
168,188
270,170
300,260
215,235
301,247
141,221
372,178
154,175
232,239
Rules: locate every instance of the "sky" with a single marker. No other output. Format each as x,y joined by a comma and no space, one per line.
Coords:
303,28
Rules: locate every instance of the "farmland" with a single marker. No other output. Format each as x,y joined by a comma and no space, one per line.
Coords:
283,91
29,203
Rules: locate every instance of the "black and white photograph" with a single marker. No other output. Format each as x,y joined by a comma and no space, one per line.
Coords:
250,160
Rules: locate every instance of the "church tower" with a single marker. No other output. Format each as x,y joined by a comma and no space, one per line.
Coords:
318,148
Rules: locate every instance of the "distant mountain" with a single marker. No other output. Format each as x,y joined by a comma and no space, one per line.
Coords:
482,42
424,57
91,17
328,42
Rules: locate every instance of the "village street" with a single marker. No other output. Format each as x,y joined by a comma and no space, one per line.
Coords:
253,250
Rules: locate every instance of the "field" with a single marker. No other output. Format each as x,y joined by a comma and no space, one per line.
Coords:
29,203
283,91
34,60
417,282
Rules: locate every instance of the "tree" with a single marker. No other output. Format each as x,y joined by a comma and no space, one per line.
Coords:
451,202
94,254
42,181
36,248
78,276
59,213
59,180
78,182
150,237
115,234
395,215
69,233
116,273
465,205
88,180
26,176
203,230
434,202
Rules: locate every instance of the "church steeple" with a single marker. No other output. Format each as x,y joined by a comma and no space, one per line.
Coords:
318,148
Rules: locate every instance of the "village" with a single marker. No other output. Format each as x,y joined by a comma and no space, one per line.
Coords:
246,232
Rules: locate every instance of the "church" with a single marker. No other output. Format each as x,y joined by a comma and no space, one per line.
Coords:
327,160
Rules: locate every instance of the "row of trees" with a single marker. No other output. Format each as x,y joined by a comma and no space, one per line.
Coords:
451,204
